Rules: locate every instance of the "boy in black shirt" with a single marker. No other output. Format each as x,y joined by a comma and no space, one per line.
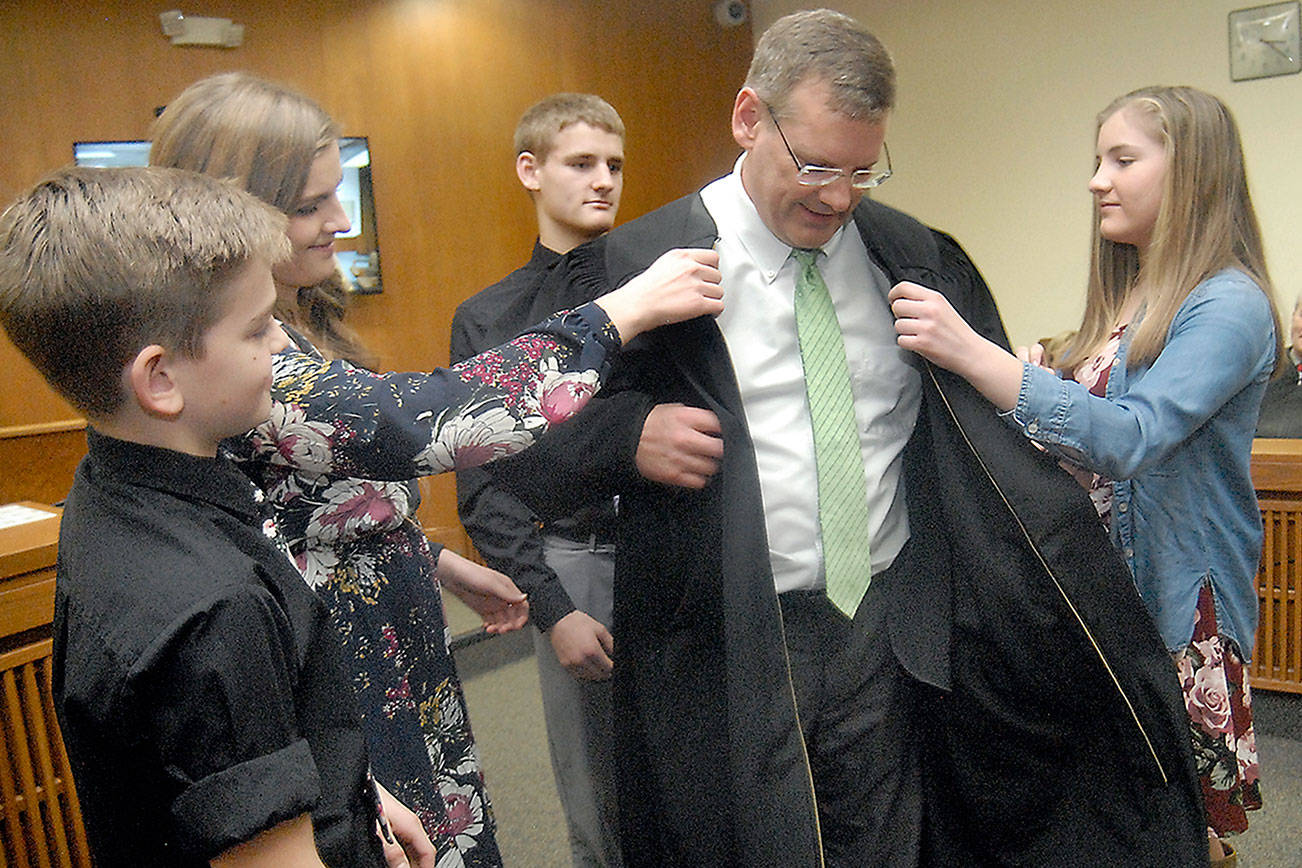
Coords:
197,678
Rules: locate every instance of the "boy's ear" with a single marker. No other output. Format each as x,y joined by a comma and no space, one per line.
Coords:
526,169
151,383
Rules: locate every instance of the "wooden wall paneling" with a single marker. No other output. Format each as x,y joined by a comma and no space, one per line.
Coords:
39,460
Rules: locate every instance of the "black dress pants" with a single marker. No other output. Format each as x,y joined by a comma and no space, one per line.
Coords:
856,707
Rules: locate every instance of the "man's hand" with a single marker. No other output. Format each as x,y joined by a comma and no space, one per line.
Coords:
410,847
492,595
682,284
583,646
680,445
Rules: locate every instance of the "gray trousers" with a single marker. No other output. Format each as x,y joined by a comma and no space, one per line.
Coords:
578,712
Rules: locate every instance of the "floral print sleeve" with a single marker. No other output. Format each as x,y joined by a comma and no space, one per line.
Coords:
337,460
333,418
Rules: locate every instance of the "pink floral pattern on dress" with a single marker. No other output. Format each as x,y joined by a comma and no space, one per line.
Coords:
1093,375
1219,701
561,394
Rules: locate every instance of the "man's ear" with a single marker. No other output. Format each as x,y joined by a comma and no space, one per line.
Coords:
151,383
747,112
526,169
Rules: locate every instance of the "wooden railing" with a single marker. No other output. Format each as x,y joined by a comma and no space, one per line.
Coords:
40,819
1277,475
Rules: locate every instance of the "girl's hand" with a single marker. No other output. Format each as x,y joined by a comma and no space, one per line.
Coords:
928,324
401,835
492,595
681,285
1034,354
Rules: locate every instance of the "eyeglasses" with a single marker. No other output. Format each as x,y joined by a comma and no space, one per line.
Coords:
810,175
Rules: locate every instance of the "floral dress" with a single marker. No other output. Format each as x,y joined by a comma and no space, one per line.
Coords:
1092,373
1211,670
338,459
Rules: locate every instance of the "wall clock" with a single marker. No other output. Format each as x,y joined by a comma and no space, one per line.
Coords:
1264,41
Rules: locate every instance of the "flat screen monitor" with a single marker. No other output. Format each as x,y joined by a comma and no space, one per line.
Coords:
358,250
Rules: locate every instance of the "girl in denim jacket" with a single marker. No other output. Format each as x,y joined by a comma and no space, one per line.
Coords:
1155,401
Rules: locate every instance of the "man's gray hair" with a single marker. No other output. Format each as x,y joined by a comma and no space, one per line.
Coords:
827,46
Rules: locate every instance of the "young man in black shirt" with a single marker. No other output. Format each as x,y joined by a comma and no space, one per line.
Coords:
197,679
570,158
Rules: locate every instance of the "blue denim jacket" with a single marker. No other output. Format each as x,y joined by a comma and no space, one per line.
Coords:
1176,437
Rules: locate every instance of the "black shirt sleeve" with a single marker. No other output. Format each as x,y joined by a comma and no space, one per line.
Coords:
503,529
216,697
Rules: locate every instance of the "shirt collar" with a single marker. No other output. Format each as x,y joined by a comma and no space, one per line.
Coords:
215,481
766,250
543,257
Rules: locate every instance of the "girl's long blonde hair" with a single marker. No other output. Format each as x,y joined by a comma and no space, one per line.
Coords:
264,136
1204,224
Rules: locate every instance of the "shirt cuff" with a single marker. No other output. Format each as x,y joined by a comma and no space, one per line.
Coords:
1041,404
548,603
603,330
233,805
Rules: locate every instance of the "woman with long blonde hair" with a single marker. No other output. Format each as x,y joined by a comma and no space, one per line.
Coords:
1155,401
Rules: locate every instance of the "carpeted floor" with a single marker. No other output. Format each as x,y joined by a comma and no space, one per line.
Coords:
501,684
500,678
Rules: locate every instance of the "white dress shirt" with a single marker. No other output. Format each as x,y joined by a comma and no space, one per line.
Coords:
759,327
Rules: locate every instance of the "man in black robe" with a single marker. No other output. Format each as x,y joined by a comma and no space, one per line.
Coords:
999,695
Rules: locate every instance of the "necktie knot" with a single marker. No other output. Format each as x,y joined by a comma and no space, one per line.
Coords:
808,277
805,256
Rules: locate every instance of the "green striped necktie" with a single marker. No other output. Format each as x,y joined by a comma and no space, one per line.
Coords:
842,491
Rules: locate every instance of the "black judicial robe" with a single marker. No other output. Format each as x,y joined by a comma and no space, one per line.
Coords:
1054,732
1281,408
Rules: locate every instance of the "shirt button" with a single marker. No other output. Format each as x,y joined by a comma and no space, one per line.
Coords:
1032,428
1129,553
1123,506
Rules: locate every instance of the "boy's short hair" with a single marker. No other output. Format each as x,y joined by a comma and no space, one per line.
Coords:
542,121
96,264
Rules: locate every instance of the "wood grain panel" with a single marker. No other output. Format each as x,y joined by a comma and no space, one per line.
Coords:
39,460
27,556
437,85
